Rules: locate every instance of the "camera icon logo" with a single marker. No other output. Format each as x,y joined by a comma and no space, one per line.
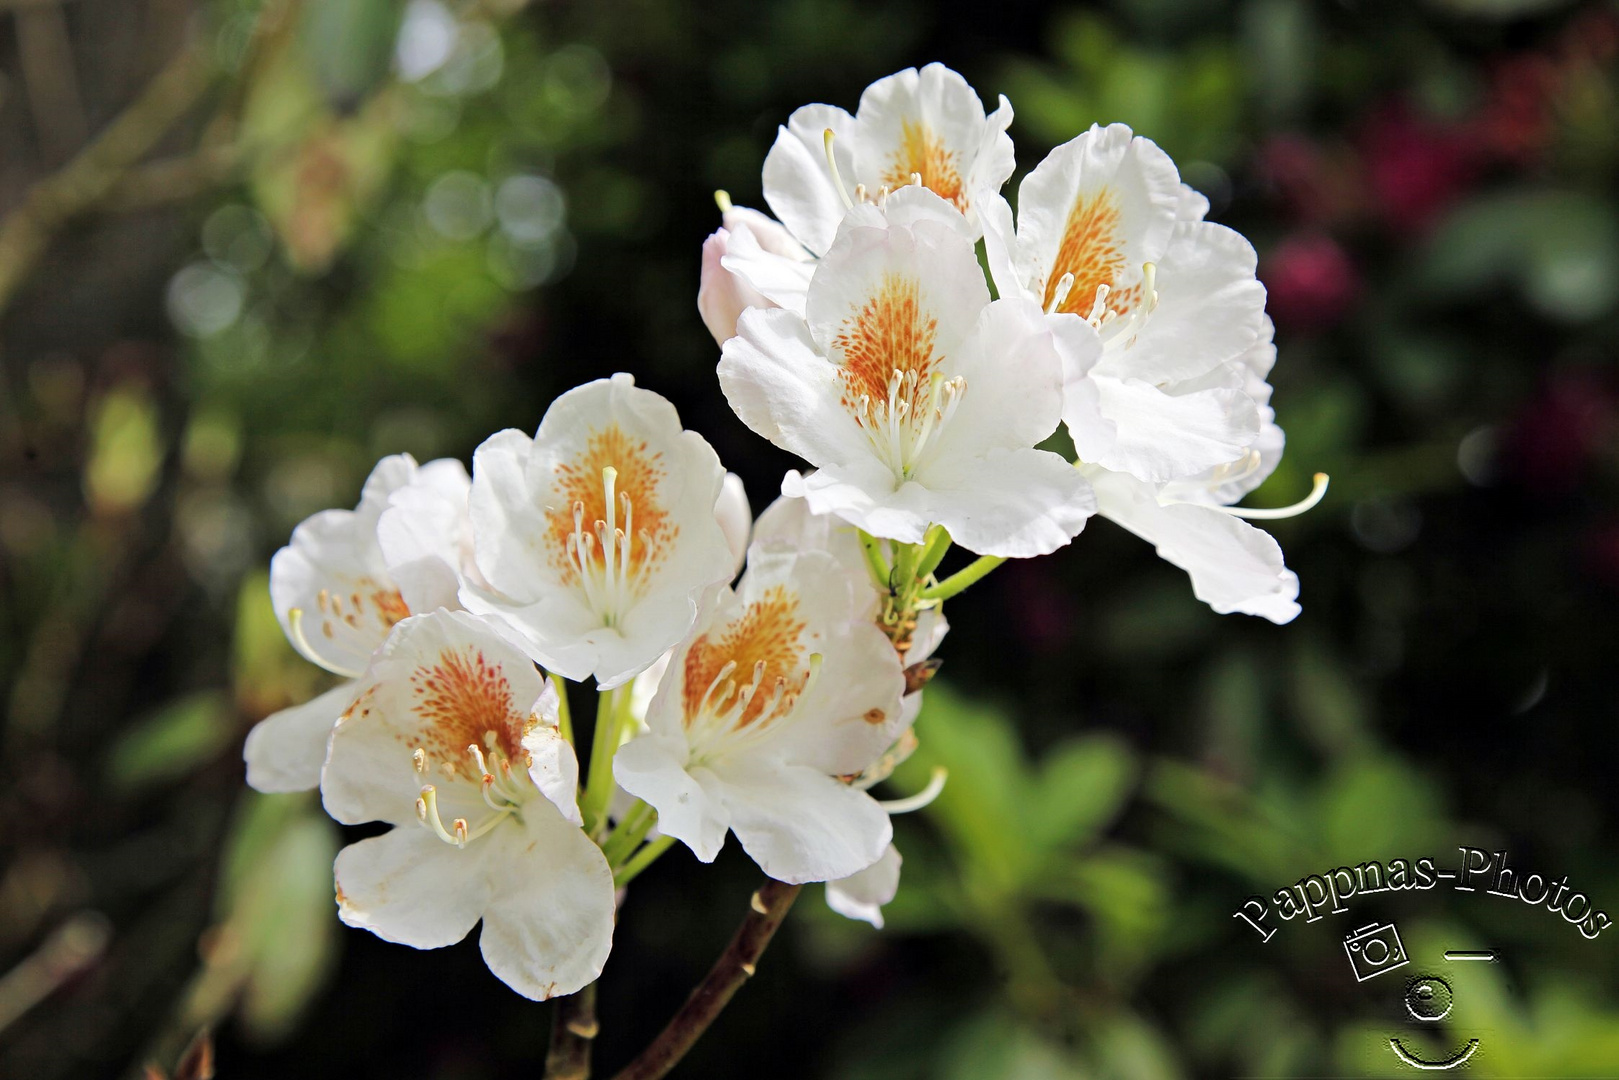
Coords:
1374,949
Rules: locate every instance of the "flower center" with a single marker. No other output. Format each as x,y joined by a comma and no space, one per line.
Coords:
614,531
473,729
922,157
1089,256
891,382
906,424
503,789
762,644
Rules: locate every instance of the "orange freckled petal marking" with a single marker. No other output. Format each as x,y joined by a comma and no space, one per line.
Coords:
390,606
464,697
890,332
875,716
641,473
921,152
766,632
1090,250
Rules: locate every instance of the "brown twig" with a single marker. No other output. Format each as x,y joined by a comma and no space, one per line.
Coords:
82,182
573,1032
735,966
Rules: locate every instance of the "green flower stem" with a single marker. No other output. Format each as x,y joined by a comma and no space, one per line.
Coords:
641,860
904,579
933,551
961,579
629,834
564,717
603,745
873,550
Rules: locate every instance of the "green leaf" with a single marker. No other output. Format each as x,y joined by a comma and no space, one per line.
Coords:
980,808
1081,787
173,741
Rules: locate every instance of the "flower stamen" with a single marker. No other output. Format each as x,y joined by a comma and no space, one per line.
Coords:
1318,491
921,798
837,178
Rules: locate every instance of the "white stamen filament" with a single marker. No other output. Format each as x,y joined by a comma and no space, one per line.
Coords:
837,179
906,426
502,791
610,582
719,715
1101,315
921,798
295,627
1318,491
1065,285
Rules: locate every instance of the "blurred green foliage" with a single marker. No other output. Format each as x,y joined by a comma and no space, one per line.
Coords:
390,227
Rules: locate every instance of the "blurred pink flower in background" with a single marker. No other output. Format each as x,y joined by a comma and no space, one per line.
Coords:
1311,282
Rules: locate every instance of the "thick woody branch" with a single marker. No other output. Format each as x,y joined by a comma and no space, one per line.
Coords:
734,967
573,1031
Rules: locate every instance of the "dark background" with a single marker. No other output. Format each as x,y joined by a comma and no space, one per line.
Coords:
243,254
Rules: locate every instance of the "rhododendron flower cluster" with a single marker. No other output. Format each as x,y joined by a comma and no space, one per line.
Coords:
761,679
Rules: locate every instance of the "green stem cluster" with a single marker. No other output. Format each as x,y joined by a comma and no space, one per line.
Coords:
909,582
625,846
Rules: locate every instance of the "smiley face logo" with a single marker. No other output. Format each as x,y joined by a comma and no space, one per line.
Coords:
1428,998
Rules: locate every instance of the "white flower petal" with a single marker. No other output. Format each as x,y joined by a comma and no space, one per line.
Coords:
425,535
1012,503
861,896
552,764
1233,566
765,274
735,516
1000,242
797,183
931,123
786,391
533,500
721,294
1210,310
440,683
788,525
866,496
1099,207
1164,436
1014,380
285,750
548,926
330,586
653,768
801,825
409,887
1192,206
892,283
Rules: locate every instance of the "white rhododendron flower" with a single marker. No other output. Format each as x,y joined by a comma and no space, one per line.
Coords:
926,125
862,896
1174,302
1176,410
785,687
338,589
1233,565
452,739
917,398
597,537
